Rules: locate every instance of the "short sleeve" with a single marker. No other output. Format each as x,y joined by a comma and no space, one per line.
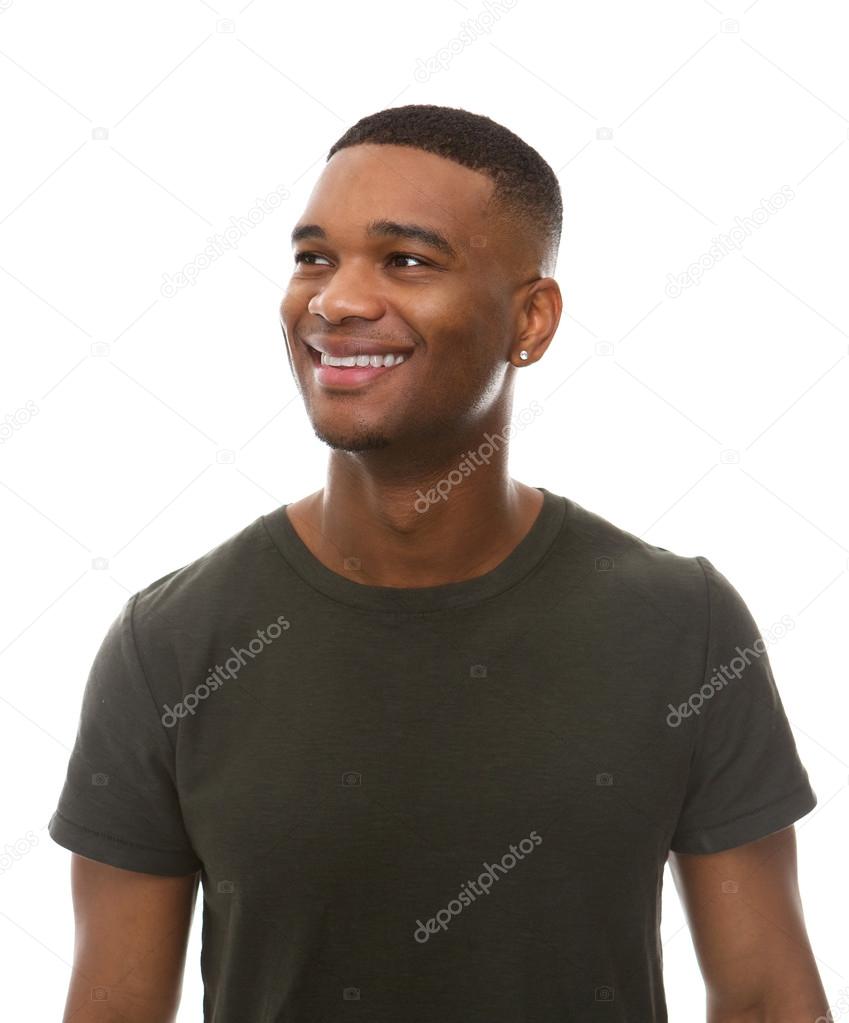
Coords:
746,780
119,802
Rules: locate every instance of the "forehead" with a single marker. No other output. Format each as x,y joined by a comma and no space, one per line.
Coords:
365,183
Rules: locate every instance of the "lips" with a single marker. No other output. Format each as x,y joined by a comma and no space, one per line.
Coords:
345,378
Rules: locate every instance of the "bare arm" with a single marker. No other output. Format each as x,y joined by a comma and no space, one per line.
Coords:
745,915
131,931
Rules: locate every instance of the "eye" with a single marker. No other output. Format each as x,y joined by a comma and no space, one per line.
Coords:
406,255
304,257
308,257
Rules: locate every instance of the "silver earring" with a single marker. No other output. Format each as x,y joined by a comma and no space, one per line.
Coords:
523,354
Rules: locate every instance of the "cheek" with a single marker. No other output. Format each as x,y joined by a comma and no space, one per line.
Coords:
297,293
290,304
476,333
465,366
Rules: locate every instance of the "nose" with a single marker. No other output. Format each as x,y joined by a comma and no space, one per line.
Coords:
351,291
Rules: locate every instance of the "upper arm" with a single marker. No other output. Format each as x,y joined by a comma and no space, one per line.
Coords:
748,928
131,931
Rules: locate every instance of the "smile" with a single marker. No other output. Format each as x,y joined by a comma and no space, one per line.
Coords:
375,361
346,372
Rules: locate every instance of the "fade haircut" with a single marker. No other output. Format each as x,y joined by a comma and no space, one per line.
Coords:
526,189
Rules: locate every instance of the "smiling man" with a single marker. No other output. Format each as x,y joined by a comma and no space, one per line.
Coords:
429,735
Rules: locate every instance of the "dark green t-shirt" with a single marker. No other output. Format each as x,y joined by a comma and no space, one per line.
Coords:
431,805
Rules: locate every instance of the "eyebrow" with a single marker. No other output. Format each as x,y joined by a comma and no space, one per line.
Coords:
387,229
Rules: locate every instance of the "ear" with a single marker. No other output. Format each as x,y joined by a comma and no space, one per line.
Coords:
540,317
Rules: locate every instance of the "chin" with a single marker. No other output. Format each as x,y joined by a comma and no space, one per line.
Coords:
352,440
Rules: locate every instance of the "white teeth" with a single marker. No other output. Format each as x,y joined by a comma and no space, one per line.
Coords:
375,361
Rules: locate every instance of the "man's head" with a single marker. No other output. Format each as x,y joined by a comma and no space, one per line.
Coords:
430,233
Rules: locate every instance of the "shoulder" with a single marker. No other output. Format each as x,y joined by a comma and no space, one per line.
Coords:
199,595
615,561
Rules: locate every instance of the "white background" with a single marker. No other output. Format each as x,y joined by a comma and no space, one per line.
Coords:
665,121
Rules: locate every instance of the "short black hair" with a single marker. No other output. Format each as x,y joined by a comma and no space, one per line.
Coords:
526,188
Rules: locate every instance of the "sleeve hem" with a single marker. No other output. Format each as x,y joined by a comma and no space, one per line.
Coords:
116,852
750,827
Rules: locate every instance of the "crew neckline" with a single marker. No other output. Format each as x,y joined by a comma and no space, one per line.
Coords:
525,556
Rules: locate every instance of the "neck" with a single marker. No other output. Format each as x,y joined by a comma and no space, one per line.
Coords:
416,526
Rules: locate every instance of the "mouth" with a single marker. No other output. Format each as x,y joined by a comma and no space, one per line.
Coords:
354,370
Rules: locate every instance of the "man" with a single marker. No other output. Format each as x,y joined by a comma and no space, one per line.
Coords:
428,735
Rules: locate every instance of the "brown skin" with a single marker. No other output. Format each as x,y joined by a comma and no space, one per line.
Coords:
130,939
748,929
467,318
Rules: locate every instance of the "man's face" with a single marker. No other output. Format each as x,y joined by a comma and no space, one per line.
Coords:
360,291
